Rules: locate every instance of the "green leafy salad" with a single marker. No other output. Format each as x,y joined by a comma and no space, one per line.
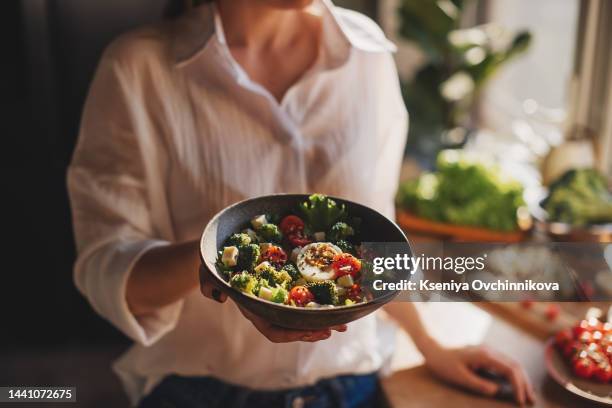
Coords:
309,258
464,191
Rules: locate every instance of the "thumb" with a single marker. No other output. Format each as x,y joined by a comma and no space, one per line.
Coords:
479,384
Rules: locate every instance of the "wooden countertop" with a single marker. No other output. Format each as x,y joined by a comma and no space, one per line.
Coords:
417,388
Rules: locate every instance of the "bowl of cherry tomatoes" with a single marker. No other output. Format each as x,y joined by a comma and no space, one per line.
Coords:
580,359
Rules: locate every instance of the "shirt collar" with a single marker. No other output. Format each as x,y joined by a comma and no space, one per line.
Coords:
342,30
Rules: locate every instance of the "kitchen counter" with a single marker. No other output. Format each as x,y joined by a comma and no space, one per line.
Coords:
416,387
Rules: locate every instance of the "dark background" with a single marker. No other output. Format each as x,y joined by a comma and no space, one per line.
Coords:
49,335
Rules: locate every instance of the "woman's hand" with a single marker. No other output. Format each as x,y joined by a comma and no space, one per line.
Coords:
458,366
211,289
278,334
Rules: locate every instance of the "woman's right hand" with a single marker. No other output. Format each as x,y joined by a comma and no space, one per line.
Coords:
276,334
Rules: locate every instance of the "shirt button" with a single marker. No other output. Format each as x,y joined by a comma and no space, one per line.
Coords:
298,402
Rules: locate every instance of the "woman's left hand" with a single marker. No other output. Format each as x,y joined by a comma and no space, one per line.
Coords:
458,366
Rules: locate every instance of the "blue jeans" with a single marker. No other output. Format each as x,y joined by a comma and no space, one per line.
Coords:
349,391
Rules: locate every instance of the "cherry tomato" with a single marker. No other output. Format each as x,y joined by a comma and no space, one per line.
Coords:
580,328
527,303
584,367
291,224
552,312
354,292
572,348
603,372
301,295
585,337
563,337
275,255
298,239
346,264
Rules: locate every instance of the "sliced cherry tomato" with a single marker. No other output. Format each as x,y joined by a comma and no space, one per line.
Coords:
291,224
572,349
580,328
563,337
298,239
584,367
608,352
585,337
301,295
275,255
603,372
346,264
354,292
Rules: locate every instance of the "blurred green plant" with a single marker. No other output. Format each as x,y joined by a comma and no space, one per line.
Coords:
441,95
464,191
579,197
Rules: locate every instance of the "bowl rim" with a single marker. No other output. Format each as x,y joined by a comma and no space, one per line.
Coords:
336,309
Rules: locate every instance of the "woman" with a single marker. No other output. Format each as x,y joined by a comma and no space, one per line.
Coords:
237,99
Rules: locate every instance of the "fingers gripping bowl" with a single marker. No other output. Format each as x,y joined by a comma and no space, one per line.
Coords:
289,262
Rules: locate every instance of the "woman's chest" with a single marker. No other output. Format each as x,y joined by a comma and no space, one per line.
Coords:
233,143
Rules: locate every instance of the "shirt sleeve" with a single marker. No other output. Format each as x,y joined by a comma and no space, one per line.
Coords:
107,185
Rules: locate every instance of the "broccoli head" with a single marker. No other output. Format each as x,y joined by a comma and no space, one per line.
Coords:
292,271
238,240
579,197
244,282
324,292
267,272
270,233
345,246
279,295
248,256
340,231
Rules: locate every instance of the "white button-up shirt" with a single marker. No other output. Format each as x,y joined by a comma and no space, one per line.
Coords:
173,131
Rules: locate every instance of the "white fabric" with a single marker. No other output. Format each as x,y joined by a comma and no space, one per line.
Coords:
173,131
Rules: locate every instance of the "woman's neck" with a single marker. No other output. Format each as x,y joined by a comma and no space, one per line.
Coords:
257,26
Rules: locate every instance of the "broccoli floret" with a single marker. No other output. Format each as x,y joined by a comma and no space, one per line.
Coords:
340,231
238,240
244,282
279,295
345,246
273,218
322,212
259,284
248,256
272,276
270,233
292,271
325,292
579,197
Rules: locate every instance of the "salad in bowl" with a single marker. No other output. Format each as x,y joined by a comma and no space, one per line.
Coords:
309,258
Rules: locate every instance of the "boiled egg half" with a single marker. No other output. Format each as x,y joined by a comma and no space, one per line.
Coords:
314,261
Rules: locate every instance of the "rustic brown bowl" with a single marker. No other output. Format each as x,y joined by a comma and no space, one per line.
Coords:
375,228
